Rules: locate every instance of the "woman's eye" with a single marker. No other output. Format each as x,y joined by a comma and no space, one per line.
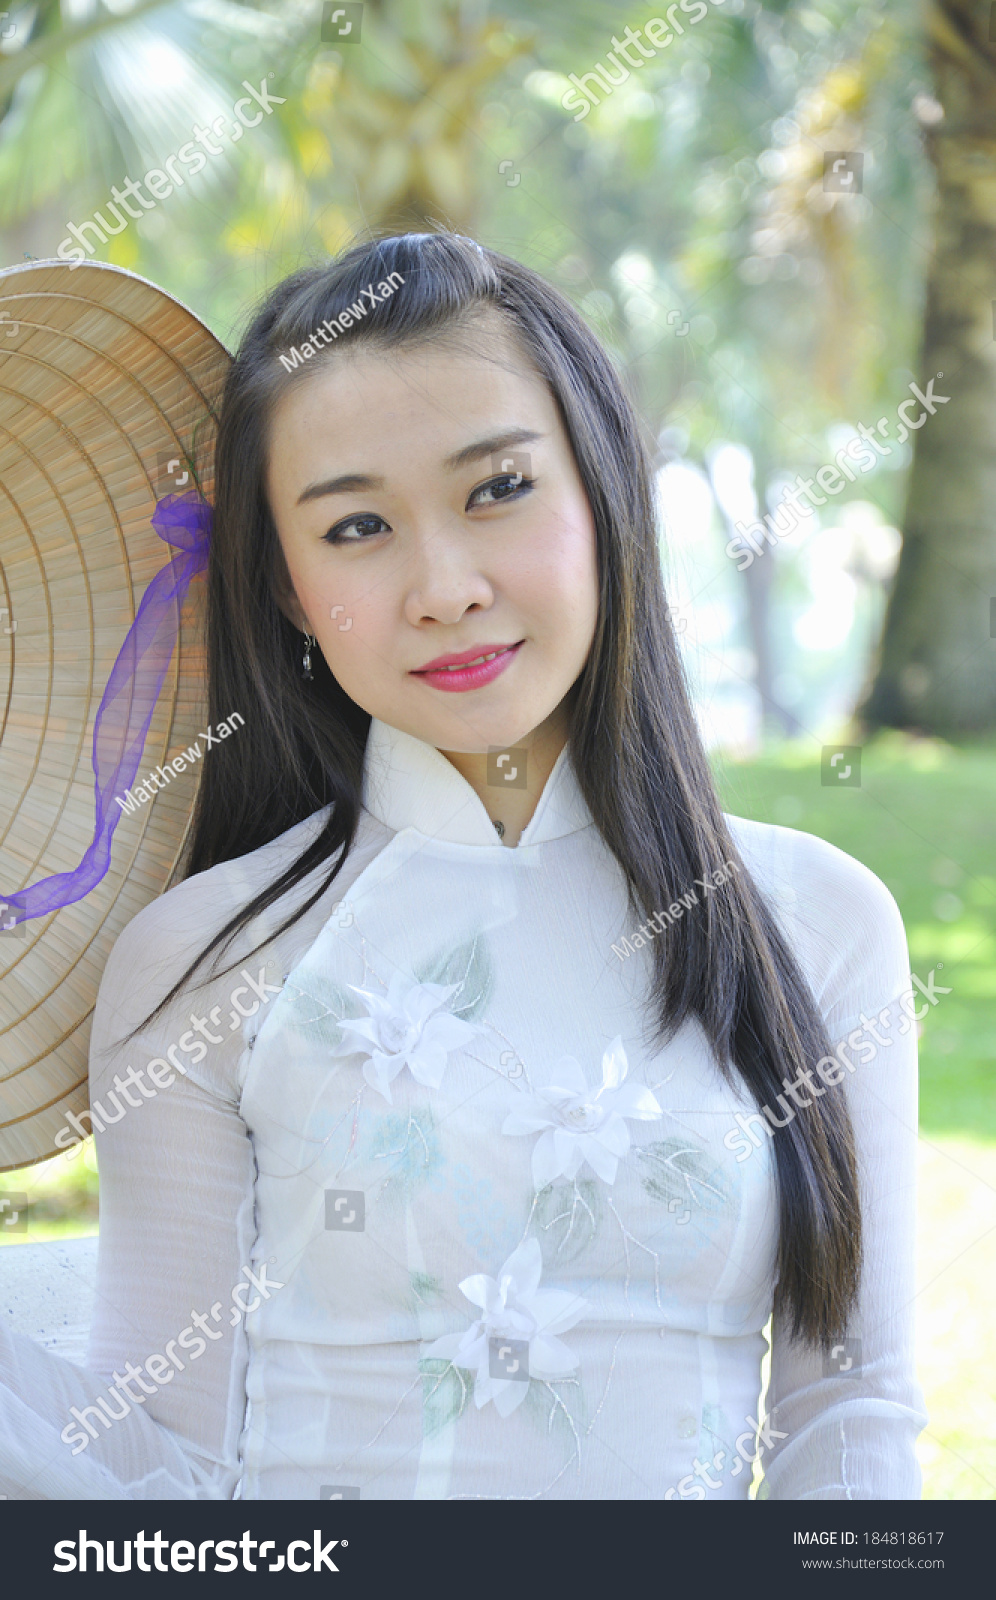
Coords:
507,486
365,528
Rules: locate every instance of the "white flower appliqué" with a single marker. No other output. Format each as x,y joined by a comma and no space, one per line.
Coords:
513,1307
575,1125
407,1027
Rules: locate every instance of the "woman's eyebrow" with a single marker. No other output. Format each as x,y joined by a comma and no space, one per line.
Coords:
493,445
347,483
497,444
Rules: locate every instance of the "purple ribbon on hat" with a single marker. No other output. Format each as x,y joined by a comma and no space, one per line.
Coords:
128,702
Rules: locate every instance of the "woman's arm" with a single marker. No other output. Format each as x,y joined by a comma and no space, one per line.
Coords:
176,1218
850,1419
177,1277
157,1411
176,1187
176,1235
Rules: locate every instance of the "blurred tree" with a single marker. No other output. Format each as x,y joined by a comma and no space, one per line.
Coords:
797,308
90,92
402,115
938,656
685,212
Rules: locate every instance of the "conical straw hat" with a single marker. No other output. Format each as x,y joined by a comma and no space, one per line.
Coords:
109,391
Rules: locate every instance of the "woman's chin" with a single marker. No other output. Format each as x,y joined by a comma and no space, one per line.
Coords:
486,736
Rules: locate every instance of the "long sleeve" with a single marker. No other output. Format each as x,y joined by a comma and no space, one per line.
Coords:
177,1223
844,1427
176,1235
176,1226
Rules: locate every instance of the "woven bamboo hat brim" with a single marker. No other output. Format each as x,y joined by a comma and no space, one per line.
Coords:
109,391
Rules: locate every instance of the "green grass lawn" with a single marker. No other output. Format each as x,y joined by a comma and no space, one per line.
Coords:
924,819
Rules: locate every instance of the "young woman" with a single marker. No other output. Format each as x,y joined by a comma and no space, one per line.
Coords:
508,1087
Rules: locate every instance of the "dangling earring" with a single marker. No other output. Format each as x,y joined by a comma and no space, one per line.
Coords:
309,642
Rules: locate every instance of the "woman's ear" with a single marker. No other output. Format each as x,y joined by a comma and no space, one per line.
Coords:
284,593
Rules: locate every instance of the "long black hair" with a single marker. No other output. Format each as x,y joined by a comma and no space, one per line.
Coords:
633,741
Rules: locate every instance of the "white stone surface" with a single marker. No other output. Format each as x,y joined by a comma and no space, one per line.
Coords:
46,1292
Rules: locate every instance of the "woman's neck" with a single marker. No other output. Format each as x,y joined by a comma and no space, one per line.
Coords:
510,784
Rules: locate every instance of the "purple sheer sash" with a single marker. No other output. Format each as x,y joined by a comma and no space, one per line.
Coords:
127,704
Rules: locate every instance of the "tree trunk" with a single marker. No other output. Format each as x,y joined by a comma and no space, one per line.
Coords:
759,579
937,669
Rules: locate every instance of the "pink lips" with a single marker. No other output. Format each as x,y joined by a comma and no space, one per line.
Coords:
456,677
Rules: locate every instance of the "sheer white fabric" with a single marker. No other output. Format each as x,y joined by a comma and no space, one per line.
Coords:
305,1198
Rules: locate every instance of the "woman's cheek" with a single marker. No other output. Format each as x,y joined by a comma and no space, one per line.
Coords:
358,652
330,608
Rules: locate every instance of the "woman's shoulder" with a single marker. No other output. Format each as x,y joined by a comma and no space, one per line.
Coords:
838,914
157,945
795,865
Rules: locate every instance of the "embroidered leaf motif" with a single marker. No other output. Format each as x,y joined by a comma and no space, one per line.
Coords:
559,1409
317,1010
445,1392
568,1218
470,967
426,1290
405,1148
681,1176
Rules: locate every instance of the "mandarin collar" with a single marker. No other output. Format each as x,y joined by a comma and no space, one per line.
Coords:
408,783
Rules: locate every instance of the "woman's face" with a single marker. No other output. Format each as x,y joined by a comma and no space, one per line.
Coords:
391,478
